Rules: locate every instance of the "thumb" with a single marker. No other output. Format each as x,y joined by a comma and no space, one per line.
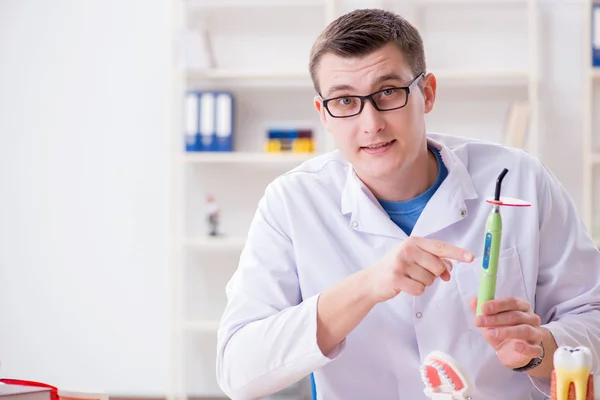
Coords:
473,304
448,264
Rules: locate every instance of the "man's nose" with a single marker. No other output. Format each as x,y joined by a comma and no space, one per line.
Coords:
371,120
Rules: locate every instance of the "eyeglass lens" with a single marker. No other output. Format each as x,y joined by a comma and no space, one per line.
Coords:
386,99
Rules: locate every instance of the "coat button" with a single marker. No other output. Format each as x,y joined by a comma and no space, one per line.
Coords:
354,224
463,213
418,315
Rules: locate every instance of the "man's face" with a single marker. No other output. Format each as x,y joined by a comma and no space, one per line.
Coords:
379,144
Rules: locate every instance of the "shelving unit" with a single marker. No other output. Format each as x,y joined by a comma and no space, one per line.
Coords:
246,157
478,66
591,133
489,77
474,2
203,264
217,243
272,88
240,4
201,326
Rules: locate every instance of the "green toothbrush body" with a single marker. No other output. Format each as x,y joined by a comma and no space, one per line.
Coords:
489,265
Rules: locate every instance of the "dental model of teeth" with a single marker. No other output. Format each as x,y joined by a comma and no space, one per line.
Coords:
444,379
572,378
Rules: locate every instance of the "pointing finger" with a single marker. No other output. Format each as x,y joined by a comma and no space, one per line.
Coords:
444,250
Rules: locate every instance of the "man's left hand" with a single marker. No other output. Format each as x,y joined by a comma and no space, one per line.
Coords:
511,327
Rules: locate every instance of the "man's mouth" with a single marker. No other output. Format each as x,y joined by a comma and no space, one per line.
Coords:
379,147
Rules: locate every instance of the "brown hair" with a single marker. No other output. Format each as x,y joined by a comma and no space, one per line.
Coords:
360,32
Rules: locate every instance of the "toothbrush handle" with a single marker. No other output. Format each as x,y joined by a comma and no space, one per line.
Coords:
489,265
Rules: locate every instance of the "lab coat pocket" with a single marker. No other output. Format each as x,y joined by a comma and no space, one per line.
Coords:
509,280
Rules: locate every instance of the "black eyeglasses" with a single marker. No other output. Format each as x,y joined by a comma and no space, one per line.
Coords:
383,100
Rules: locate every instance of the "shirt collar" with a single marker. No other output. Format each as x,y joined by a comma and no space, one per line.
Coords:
358,201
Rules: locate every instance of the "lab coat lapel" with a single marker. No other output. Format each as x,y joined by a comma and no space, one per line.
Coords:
448,204
364,211
446,207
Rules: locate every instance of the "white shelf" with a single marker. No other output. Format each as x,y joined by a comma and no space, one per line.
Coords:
240,74
302,78
240,77
247,157
224,243
482,77
201,326
473,2
201,4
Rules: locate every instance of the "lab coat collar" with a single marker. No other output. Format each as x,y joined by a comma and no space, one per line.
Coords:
446,207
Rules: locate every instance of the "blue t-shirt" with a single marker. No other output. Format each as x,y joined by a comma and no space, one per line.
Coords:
406,213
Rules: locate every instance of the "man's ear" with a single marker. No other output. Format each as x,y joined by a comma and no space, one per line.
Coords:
320,108
429,90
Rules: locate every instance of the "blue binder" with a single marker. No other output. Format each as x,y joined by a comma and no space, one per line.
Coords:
595,35
209,115
223,140
191,129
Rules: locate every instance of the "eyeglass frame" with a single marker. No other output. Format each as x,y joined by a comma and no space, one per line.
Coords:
369,97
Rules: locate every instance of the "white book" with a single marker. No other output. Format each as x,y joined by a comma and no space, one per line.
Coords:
517,124
21,392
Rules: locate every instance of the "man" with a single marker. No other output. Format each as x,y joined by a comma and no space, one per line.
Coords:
361,262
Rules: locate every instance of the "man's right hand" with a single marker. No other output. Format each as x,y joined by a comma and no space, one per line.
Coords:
413,265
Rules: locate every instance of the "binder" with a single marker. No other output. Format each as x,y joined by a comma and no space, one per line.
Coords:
209,121
224,122
191,128
595,35
516,127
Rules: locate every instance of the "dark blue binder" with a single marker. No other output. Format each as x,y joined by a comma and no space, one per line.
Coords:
595,39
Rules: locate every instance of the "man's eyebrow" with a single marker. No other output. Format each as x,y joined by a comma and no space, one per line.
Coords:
388,77
378,81
338,88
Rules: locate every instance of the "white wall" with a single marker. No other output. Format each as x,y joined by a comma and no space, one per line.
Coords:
84,95
84,90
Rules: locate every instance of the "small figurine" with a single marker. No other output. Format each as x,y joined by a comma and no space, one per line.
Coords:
444,379
572,378
212,213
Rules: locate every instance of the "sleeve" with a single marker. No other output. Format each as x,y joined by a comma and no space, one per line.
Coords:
267,339
568,288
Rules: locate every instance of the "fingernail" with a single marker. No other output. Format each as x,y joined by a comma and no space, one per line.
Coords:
493,332
468,256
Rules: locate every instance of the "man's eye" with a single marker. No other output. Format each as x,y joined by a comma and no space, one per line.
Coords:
388,92
346,101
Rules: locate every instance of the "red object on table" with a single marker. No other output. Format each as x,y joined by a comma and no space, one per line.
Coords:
53,391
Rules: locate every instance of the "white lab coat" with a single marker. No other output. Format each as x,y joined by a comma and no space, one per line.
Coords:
318,224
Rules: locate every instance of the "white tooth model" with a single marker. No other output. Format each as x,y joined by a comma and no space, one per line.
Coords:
444,379
572,378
